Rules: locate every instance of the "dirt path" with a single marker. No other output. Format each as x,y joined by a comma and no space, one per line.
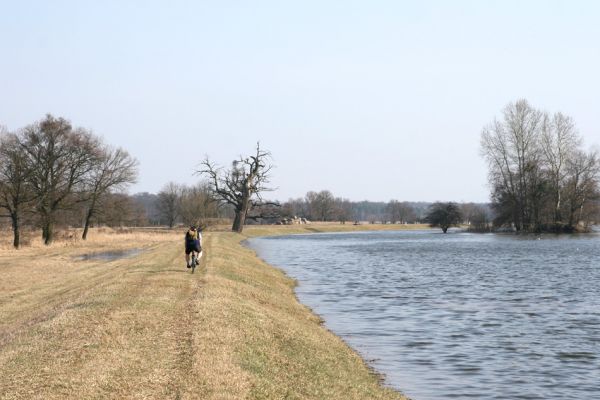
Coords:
97,329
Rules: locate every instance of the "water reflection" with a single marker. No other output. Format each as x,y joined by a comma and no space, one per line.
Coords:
110,255
458,315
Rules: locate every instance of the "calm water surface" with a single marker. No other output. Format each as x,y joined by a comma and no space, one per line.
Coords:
459,315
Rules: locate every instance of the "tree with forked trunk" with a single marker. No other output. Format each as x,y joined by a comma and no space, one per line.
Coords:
240,186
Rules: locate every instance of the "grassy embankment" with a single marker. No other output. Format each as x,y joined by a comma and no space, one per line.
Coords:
144,327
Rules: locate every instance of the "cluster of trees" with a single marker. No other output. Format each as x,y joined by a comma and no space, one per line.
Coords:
50,169
541,177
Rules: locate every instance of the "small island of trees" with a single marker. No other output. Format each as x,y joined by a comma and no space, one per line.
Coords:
541,177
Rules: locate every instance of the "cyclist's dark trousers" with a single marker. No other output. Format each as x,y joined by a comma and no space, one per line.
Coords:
189,247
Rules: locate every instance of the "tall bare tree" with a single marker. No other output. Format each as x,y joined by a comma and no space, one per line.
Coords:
242,185
114,169
58,159
15,191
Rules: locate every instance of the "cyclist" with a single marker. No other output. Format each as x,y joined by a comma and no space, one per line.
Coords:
193,243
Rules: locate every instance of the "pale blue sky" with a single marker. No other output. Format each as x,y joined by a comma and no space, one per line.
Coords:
371,100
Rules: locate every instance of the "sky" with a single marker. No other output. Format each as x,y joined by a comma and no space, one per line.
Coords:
372,100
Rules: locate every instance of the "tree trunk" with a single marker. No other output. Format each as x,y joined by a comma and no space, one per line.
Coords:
88,217
240,215
238,222
557,214
86,227
48,232
16,230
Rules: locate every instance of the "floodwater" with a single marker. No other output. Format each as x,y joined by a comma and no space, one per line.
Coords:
110,255
460,316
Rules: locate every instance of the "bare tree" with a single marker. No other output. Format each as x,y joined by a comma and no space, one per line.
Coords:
15,191
242,185
114,169
168,203
58,159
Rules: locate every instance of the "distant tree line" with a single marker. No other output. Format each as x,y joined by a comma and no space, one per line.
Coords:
52,172
324,206
541,177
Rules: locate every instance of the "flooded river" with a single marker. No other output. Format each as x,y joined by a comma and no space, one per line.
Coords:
461,316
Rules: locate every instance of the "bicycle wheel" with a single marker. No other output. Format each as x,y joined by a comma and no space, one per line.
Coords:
193,262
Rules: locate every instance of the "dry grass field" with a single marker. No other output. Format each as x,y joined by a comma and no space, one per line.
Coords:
143,327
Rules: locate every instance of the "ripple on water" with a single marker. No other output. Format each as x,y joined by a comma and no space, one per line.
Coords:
458,315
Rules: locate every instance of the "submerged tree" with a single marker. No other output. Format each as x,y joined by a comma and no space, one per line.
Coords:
242,185
443,215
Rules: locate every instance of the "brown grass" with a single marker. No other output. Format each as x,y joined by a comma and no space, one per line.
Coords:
144,327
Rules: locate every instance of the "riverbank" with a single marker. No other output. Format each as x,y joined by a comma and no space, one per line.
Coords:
275,230
144,327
